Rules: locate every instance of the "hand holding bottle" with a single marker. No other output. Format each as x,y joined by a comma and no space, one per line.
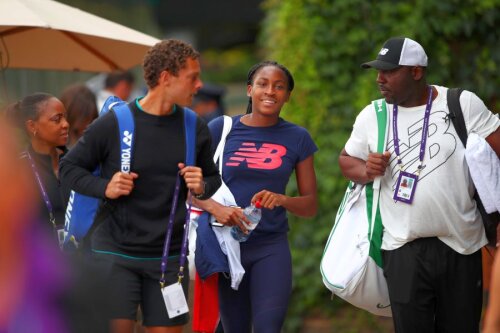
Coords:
253,213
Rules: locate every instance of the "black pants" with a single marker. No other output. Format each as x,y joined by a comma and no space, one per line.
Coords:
434,289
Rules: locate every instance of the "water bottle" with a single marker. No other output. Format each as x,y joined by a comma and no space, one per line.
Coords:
253,214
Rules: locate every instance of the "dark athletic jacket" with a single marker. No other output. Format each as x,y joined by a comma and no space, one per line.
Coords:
136,224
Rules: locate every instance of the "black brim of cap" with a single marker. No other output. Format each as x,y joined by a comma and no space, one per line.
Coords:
379,64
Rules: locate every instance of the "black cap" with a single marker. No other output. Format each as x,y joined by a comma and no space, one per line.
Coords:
398,51
211,91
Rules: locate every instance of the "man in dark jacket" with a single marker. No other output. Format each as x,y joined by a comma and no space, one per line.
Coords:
130,239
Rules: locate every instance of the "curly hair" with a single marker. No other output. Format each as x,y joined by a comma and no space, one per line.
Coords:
168,55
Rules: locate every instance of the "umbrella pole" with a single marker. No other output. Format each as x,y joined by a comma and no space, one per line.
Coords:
4,99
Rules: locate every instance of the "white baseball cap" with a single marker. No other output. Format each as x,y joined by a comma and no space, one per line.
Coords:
398,51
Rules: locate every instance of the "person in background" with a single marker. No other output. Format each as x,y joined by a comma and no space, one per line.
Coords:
43,118
261,152
17,208
41,291
81,109
130,243
432,240
119,84
207,102
492,317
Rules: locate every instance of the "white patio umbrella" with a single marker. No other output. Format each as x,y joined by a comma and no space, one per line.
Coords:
45,34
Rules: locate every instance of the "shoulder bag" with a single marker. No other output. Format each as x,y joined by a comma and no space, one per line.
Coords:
351,265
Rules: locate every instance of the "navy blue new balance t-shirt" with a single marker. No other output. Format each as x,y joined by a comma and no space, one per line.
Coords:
261,158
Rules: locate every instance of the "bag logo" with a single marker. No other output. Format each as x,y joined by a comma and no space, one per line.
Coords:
126,152
267,157
383,51
127,138
381,306
69,210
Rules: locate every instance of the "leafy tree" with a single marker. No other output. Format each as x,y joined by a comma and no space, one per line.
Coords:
323,42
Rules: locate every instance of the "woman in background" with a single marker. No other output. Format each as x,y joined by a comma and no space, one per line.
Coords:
40,290
43,119
81,110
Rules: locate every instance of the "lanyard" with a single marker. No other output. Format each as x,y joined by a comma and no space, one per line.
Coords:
425,130
168,236
45,196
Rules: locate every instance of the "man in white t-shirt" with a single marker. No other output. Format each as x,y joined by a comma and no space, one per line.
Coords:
432,229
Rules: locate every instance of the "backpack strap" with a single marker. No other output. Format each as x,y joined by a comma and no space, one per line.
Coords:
219,151
126,129
109,103
82,211
190,133
490,221
456,115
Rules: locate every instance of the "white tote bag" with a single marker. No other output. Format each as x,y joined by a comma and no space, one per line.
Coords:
351,265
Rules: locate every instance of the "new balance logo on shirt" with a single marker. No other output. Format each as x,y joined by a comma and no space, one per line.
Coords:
267,157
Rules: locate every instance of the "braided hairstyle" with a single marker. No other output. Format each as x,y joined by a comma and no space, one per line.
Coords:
255,68
26,109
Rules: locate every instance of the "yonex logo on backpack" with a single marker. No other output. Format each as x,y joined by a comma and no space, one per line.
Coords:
125,160
126,153
127,138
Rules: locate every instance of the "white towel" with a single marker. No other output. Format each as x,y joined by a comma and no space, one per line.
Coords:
484,167
231,248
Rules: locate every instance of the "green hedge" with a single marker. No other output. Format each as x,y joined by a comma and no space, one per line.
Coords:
323,42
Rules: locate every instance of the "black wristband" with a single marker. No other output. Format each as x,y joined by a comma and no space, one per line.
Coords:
201,196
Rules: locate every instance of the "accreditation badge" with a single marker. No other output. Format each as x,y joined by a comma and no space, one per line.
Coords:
175,300
60,236
405,187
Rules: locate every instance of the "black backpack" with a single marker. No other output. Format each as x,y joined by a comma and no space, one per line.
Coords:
490,221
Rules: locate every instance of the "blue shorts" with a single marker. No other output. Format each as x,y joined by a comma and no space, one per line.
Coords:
135,282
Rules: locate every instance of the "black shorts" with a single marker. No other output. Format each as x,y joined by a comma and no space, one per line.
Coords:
432,288
135,282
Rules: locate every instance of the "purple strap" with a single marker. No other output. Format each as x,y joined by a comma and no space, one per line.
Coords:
45,196
168,236
425,130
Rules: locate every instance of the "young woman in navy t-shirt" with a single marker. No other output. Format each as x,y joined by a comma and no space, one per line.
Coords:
261,152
